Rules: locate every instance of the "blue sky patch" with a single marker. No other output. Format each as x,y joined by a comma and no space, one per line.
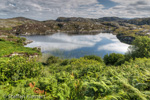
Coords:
107,3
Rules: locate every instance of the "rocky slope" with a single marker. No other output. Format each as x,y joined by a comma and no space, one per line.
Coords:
12,22
108,19
126,30
139,21
44,28
72,25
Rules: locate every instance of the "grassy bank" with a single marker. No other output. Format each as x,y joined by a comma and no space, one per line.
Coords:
7,48
10,44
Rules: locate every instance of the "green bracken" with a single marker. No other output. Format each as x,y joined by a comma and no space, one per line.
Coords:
86,78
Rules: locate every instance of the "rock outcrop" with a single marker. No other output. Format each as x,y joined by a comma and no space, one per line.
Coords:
126,39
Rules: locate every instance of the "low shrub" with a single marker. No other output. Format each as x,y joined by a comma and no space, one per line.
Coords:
52,60
21,40
2,39
65,62
120,61
93,57
113,58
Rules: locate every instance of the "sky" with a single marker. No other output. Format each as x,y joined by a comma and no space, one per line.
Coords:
52,9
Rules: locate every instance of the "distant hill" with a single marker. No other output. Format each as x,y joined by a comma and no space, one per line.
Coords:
79,19
75,19
111,19
7,24
139,21
22,19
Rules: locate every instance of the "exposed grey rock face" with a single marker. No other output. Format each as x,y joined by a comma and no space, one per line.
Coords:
28,42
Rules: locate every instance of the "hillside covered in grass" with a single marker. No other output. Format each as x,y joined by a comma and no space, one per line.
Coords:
10,44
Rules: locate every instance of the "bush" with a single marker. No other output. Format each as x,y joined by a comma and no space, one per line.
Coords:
140,48
37,49
65,62
93,57
52,60
113,58
2,39
16,68
21,40
120,61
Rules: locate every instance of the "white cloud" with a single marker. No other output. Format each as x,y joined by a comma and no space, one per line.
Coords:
132,8
65,42
117,47
51,9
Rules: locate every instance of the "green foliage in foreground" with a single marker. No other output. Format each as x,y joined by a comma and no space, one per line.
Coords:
87,78
52,60
140,48
114,59
80,79
16,68
93,57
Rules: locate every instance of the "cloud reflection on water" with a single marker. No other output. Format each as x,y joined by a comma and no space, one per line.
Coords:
91,43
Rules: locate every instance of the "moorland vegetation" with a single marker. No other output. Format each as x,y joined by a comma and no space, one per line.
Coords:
115,77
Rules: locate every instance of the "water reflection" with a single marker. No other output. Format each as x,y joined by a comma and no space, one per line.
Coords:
78,45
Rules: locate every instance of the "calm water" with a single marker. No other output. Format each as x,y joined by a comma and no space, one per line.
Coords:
76,46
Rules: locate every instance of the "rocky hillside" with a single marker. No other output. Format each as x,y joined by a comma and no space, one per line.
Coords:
75,19
50,27
72,25
12,22
139,21
77,25
79,19
7,24
110,19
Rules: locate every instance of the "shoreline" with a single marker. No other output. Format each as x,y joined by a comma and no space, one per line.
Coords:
122,38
